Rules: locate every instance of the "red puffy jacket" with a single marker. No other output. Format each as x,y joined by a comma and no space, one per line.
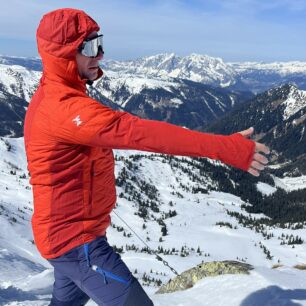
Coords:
69,139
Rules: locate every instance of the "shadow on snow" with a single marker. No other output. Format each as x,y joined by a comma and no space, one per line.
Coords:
13,294
275,296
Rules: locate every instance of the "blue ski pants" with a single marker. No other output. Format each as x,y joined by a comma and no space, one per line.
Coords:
94,270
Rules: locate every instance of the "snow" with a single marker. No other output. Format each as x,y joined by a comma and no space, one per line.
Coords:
134,84
294,103
162,71
291,183
19,81
195,67
163,67
263,286
265,188
26,278
302,133
221,105
176,102
284,68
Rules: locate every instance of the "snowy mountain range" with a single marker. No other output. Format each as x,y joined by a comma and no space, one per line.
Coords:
245,76
191,91
188,210
178,101
250,76
197,68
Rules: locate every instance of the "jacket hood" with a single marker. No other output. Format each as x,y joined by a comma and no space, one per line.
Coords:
59,35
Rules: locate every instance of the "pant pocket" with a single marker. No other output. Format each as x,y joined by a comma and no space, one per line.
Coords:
106,274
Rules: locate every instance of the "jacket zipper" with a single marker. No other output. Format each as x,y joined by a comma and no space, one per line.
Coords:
92,174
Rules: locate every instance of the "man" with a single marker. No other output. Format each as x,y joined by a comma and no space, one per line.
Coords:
69,139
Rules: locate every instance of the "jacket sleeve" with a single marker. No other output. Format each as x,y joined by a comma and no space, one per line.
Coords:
131,132
89,123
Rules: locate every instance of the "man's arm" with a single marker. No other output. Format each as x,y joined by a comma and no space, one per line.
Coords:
87,122
130,132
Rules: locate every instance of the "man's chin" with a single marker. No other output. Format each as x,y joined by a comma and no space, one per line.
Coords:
93,76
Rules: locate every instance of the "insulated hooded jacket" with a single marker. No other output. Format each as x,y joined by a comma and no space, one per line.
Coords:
69,139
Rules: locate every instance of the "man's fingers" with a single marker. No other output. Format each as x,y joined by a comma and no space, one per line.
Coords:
259,147
257,166
260,158
253,172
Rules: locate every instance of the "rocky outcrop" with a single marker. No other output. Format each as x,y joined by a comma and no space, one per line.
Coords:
188,278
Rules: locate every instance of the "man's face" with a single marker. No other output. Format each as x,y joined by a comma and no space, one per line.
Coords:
88,66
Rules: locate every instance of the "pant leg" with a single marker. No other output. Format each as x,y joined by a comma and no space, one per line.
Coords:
66,292
116,285
137,296
101,275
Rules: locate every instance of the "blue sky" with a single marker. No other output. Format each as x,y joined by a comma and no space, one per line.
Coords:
235,30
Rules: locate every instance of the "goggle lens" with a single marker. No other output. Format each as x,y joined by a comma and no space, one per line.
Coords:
92,47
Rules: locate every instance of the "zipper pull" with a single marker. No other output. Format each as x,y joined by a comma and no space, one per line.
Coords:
97,269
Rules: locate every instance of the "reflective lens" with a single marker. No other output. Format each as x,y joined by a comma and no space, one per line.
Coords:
92,47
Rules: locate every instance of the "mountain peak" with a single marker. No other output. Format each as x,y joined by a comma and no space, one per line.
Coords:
206,57
295,102
194,67
293,99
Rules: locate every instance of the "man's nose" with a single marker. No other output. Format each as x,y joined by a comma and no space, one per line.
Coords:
100,55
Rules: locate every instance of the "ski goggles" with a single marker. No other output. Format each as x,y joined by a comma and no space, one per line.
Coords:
92,47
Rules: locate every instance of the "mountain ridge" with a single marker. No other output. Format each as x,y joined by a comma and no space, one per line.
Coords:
278,116
254,76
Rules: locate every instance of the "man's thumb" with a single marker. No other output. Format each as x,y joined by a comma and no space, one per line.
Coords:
248,132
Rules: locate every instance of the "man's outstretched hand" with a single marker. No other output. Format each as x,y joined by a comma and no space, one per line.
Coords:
259,161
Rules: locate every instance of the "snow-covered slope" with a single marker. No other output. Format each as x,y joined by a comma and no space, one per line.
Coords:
264,287
177,101
295,102
19,81
194,220
110,86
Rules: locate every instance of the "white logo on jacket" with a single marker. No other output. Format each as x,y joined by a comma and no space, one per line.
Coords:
77,120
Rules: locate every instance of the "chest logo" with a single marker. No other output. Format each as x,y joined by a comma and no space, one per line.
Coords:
77,120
